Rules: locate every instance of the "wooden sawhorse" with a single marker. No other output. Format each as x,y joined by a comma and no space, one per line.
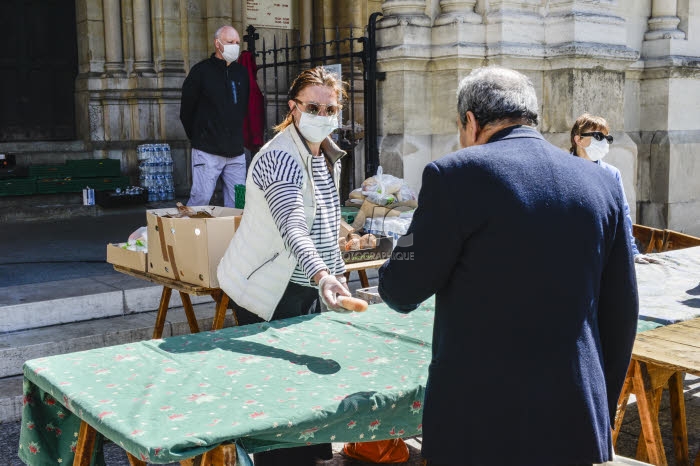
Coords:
660,358
185,289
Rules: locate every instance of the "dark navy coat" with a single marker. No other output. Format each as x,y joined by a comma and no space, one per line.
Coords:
525,249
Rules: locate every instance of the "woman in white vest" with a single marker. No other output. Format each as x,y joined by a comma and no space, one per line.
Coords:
285,253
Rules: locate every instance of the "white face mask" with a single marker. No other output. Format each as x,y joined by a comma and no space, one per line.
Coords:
230,52
315,128
597,149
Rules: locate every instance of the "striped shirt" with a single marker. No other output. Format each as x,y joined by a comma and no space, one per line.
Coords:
280,177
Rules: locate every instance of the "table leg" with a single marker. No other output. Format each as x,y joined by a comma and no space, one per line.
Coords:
189,312
645,393
85,446
642,454
622,404
133,461
363,278
680,429
223,455
222,301
162,311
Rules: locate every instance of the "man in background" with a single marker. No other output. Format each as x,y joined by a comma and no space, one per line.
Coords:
526,251
213,107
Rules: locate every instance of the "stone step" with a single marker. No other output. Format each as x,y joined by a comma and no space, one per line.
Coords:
18,347
30,306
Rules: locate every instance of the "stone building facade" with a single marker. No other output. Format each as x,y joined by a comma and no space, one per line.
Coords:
636,62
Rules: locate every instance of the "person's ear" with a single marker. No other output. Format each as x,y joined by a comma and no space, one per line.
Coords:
577,140
473,128
291,104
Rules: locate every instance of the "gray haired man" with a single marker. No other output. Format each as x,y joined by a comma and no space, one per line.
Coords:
524,248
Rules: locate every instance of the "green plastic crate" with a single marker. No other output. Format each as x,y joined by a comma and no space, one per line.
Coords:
91,168
17,186
63,185
53,172
240,196
348,214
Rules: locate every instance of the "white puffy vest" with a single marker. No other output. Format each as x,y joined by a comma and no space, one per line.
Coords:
256,268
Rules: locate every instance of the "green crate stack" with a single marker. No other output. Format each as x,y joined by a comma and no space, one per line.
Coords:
17,186
93,168
65,185
55,172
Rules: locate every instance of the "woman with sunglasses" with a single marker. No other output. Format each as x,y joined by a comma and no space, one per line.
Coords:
590,140
285,255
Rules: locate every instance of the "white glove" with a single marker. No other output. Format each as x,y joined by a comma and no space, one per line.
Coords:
645,259
328,288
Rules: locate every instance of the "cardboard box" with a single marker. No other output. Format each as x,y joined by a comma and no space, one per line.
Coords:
135,260
189,249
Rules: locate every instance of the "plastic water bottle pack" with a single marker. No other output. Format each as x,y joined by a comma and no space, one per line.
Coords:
156,171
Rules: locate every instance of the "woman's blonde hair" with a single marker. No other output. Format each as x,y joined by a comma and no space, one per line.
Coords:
318,76
584,124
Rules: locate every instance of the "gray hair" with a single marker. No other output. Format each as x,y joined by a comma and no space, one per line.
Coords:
217,34
493,93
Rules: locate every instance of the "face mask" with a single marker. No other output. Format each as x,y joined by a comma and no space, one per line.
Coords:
597,150
230,52
315,128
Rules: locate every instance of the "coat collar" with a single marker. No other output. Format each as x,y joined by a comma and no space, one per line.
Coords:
516,131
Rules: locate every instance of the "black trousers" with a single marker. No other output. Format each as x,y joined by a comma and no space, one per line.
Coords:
297,300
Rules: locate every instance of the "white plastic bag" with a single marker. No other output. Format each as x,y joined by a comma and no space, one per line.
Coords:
138,240
381,189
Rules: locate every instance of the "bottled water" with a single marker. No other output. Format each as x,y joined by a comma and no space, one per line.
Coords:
156,171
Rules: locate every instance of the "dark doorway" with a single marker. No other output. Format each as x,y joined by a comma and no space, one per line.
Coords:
38,66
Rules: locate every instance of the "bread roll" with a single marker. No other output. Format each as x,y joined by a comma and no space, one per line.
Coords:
352,304
368,241
353,244
341,243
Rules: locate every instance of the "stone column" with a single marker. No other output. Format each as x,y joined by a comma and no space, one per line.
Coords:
114,57
404,52
143,50
664,21
457,11
402,10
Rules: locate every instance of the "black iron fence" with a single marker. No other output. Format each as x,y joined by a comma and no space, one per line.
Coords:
356,59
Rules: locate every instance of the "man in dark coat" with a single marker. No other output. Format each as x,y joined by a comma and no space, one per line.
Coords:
525,250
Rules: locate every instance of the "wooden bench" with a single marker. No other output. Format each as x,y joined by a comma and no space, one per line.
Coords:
675,240
651,239
360,268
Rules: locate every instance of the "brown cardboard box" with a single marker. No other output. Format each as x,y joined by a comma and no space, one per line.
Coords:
189,249
135,260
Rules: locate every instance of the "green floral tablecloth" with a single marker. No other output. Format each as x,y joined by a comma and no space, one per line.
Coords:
314,379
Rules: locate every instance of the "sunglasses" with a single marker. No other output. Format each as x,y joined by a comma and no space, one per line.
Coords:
312,108
599,136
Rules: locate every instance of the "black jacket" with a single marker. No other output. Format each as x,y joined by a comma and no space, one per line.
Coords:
213,106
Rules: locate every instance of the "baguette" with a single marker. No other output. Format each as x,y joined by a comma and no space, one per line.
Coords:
352,304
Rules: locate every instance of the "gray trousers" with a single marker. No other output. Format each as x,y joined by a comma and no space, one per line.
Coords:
206,169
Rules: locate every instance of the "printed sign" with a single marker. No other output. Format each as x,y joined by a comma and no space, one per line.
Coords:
271,13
